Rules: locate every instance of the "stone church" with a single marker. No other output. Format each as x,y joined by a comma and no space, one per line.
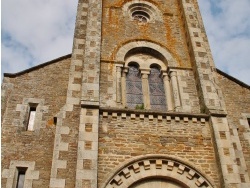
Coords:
137,104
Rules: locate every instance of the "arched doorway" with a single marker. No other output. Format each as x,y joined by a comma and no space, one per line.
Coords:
157,171
157,183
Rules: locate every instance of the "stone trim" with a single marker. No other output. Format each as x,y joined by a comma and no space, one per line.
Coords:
11,173
244,123
239,155
155,117
87,153
91,70
153,11
229,150
128,112
121,52
157,165
24,113
204,68
59,145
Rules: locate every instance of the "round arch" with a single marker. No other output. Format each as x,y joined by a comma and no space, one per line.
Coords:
157,167
122,51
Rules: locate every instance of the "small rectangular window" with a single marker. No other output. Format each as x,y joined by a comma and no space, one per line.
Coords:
21,177
31,120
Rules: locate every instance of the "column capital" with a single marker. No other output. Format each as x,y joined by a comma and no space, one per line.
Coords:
124,71
165,77
145,71
173,73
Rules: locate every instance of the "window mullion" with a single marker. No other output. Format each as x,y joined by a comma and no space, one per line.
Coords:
145,89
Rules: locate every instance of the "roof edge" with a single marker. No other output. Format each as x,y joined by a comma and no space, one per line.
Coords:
233,79
12,75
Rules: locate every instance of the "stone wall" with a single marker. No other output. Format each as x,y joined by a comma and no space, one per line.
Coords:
118,29
237,98
46,85
125,135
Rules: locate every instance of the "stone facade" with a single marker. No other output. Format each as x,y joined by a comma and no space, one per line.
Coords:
190,127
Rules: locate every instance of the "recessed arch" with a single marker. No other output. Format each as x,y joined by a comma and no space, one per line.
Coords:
145,50
155,65
157,166
134,63
145,46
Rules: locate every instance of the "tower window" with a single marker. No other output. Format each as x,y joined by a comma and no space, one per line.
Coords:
31,120
156,89
134,87
140,16
141,12
21,177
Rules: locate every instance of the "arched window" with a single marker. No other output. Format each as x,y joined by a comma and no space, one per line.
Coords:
134,87
156,90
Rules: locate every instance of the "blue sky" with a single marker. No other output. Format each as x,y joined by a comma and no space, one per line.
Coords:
36,31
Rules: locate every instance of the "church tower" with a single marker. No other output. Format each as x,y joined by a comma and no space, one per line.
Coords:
138,104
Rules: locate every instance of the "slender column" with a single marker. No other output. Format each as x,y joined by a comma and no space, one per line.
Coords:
118,84
168,92
123,85
176,94
145,89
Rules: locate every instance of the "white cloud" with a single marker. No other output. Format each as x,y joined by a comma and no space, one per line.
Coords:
227,25
36,31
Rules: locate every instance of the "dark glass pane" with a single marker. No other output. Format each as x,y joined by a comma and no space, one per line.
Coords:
134,87
156,89
20,180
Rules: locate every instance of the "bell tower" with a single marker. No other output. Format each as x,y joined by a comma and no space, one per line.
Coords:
119,45
138,104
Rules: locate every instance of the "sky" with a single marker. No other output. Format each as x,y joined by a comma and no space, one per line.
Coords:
37,31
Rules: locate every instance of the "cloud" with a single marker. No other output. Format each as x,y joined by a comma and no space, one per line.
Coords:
227,25
36,31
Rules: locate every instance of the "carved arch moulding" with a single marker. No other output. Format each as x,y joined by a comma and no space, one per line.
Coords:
124,49
157,167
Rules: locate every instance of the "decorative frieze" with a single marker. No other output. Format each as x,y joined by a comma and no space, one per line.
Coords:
147,115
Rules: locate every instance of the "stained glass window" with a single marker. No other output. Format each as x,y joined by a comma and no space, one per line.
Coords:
134,87
156,89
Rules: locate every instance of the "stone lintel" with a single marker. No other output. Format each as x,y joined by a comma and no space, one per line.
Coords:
90,104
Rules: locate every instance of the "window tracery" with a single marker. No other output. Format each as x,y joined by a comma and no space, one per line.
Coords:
140,16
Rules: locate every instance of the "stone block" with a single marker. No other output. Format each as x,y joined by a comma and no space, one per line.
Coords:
63,146
59,183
